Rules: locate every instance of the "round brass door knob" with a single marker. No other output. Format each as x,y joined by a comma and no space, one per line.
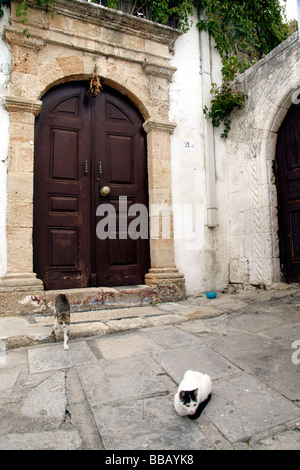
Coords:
105,191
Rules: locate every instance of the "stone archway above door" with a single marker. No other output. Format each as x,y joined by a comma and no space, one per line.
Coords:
131,55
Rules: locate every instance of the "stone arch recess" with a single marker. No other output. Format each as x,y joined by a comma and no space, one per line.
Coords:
251,148
273,120
284,101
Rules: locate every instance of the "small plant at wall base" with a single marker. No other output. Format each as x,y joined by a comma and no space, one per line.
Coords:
243,30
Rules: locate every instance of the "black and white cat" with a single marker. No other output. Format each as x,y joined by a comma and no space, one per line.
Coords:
194,392
62,317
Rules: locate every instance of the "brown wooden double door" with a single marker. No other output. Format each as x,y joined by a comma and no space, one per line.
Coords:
288,185
83,143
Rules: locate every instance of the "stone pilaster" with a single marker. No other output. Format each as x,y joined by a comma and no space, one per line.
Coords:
19,220
166,282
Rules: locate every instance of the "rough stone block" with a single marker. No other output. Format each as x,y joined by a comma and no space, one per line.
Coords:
54,357
142,424
113,348
196,357
122,380
45,440
259,408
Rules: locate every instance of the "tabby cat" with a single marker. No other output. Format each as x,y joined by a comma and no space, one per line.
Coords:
62,317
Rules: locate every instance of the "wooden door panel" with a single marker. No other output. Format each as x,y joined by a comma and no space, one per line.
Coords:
120,141
63,204
122,251
288,186
63,248
64,154
115,112
294,227
67,106
294,190
83,143
61,190
121,170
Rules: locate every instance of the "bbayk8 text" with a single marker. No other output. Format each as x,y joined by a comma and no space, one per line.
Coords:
151,459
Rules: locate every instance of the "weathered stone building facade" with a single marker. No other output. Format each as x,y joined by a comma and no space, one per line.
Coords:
133,57
223,194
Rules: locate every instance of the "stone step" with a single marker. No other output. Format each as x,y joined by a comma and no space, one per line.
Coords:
31,301
83,300
28,330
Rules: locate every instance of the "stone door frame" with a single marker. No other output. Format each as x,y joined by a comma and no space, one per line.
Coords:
136,63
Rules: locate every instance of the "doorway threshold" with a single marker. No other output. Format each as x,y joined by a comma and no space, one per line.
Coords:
97,298
28,301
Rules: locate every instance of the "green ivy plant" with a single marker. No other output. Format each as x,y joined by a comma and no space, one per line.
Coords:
224,100
110,3
163,10
243,31
21,10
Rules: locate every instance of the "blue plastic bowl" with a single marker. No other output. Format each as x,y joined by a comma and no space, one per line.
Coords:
211,295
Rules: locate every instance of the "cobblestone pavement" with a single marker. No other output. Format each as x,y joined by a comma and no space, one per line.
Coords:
113,389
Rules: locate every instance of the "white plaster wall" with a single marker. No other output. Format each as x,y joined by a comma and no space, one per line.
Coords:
5,62
243,246
200,251
220,269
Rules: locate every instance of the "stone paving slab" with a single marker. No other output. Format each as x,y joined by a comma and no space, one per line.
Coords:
47,399
147,424
35,403
261,344
289,440
52,357
49,440
242,406
8,380
207,329
21,327
129,344
195,357
119,381
171,337
116,391
102,315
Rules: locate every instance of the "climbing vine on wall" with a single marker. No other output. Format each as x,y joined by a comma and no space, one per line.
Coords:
21,9
243,31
